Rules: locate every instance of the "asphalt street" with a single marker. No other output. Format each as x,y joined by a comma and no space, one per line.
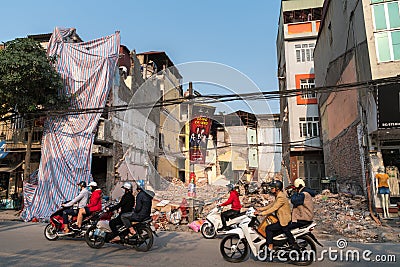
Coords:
23,244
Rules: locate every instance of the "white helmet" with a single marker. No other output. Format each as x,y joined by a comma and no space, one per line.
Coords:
93,184
299,182
127,186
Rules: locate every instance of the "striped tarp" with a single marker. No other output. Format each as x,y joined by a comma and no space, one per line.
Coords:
87,70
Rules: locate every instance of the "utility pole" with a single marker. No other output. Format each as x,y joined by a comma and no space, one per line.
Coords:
192,182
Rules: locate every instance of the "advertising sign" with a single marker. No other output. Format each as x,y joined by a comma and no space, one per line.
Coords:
200,127
3,154
389,106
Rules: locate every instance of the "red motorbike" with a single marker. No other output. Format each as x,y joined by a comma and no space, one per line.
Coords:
54,229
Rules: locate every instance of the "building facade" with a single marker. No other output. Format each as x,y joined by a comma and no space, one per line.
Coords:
358,44
269,146
302,154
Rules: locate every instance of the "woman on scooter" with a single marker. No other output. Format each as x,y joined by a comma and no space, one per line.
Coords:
93,206
235,206
281,207
303,205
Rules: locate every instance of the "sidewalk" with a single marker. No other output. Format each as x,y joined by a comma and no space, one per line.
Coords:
9,215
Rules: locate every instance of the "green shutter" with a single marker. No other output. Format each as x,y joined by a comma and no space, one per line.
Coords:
376,1
383,46
396,45
380,20
394,16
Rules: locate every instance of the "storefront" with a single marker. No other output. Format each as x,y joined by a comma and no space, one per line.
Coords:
11,187
385,143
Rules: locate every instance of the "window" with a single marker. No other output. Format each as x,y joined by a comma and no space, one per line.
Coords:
309,126
306,84
295,16
387,29
304,52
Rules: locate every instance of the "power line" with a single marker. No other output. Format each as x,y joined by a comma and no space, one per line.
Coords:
220,98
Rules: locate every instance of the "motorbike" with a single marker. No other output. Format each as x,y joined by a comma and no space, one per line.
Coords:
209,228
54,229
237,243
100,233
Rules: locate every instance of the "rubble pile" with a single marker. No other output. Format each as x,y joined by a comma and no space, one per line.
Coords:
347,215
336,215
174,190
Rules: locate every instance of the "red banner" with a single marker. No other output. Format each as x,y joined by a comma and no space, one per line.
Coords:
199,131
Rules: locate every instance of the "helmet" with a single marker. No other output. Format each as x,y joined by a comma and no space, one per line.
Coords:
299,182
277,184
230,186
82,183
127,186
93,184
140,184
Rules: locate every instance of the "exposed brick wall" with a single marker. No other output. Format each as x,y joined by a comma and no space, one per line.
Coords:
342,160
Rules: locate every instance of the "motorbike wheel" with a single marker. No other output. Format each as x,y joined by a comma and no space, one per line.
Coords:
50,232
234,249
145,239
92,240
308,251
208,230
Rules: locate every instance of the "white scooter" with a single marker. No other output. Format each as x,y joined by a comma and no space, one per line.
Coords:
213,222
236,244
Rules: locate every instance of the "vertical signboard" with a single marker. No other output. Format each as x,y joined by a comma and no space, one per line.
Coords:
200,127
389,106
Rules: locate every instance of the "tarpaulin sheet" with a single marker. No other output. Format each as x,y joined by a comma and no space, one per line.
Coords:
87,70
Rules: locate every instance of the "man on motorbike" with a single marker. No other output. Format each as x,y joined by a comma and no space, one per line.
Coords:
81,199
234,201
281,207
142,208
93,206
126,205
303,206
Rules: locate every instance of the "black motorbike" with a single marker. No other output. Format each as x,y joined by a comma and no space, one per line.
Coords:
100,233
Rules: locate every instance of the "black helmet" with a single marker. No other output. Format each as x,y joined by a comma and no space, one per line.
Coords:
82,183
277,184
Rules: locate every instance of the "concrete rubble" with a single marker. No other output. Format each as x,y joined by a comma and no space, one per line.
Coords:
337,215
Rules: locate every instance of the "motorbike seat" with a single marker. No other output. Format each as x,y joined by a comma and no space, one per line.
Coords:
238,215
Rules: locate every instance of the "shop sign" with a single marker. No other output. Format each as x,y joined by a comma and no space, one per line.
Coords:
389,106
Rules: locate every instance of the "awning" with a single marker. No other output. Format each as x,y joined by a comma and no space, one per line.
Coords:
10,168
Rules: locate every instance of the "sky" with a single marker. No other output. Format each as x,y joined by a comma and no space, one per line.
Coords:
237,33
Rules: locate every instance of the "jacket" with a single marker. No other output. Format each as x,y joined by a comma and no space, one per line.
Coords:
81,199
281,207
95,201
234,200
126,204
143,205
304,212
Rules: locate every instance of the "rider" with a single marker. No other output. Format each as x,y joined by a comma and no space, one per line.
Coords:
93,206
281,207
126,204
303,206
235,206
142,208
81,199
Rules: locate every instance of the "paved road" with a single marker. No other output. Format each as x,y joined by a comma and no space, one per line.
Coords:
23,244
